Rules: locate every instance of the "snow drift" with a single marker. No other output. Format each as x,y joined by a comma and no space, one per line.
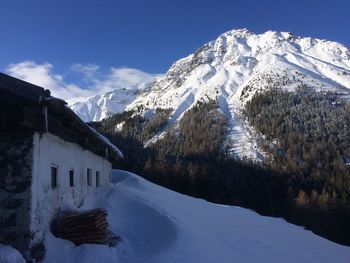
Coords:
159,225
10,255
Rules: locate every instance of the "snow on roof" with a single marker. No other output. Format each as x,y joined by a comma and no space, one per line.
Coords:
95,133
103,138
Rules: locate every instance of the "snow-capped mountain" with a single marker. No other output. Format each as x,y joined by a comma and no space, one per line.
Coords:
101,106
231,69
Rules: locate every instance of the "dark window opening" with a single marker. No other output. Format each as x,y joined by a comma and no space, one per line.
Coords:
53,177
97,178
88,176
71,178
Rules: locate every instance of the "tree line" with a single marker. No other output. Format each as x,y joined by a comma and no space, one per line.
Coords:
305,178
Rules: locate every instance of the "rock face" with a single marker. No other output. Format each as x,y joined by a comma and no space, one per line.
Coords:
239,63
16,159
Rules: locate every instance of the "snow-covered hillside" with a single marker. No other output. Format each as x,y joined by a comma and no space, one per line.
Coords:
159,225
235,66
10,255
101,106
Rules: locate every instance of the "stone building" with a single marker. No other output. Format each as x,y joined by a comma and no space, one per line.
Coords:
48,155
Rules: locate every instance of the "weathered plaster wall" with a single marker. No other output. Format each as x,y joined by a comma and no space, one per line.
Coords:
51,150
27,202
16,158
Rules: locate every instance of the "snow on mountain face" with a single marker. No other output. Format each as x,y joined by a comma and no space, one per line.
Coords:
101,106
238,64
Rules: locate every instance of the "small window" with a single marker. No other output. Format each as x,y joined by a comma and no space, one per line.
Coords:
97,178
53,177
88,176
71,178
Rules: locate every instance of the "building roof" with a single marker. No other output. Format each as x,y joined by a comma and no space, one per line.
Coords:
20,88
42,112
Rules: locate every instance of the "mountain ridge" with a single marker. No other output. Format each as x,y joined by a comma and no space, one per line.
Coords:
231,69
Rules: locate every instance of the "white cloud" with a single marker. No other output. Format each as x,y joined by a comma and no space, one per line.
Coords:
42,75
37,74
88,70
96,81
129,76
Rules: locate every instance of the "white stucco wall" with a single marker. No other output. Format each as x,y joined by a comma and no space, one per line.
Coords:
46,202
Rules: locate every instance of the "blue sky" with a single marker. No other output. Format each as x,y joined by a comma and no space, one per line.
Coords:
147,35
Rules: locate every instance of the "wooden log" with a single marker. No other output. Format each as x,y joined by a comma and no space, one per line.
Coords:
88,227
84,227
83,233
84,215
90,221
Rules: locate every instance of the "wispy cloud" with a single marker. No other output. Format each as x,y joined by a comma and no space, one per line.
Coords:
90,71
96,81
87,69
129,76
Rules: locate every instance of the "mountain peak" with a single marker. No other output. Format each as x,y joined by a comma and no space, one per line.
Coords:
238,31
234,67
245,33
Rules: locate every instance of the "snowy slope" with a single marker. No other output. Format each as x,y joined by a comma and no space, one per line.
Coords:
240,63
10,255
159,225
101,106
